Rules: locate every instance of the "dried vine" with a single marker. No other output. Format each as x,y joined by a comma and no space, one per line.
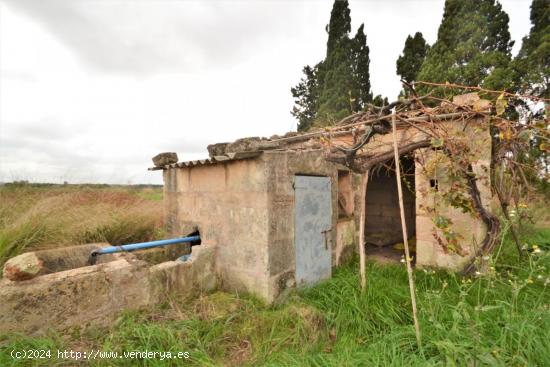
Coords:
509,148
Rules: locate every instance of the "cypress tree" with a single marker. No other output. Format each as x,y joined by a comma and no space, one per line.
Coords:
408,64
337,93
473,39
339,25
361,64
340,84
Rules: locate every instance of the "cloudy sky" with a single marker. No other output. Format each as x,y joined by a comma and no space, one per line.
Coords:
90,90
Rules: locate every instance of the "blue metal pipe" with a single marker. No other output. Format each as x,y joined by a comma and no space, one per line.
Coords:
141,246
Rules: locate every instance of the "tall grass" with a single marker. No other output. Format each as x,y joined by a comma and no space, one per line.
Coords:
35,217
501,318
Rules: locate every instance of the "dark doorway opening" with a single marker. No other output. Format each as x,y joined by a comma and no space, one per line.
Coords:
383,233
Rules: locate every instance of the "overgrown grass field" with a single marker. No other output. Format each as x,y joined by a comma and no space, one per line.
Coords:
44,216
501,318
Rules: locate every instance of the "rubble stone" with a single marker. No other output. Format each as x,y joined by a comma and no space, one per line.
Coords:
216,149
163,159
23,267
243,145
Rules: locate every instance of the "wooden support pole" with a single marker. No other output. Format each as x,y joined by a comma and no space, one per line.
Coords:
404,229
362,256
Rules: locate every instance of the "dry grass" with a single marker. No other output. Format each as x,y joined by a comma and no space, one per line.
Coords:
38,217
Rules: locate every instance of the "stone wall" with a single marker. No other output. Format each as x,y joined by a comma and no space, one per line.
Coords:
228,204
346,236
470,229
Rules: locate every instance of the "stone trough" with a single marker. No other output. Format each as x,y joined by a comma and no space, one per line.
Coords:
58,289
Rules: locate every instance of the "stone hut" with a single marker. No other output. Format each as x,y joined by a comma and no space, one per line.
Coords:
279,214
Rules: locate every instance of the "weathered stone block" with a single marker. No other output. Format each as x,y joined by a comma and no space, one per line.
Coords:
424,253
185,279
91,295
31,264
216,149
281,255
23,267
163,159
345,241
207,178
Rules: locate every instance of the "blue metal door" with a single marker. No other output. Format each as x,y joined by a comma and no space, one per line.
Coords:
313,220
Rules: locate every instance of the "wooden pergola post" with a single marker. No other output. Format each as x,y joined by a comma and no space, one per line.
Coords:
362,255
404,229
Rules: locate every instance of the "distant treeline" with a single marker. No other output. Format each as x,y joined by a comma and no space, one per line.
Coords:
83,185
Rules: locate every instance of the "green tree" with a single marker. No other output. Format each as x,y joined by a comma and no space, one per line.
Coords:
531,67
360,65
409,63
305,98
339,25
380,101
338,93
530,74
472,41
340,84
